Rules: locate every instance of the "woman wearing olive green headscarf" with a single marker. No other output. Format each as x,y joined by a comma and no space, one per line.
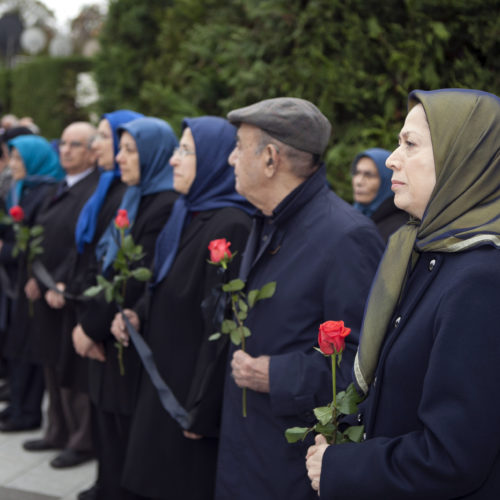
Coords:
430,349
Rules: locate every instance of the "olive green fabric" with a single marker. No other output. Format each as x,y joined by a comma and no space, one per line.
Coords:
463,211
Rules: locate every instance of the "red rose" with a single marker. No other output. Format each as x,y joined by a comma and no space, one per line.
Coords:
219,250
121,220
331,337
17,213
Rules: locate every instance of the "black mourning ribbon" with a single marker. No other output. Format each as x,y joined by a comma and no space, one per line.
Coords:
41,273
167,398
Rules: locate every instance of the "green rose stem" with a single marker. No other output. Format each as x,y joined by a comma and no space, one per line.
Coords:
30,302
119,345
240,324
334,385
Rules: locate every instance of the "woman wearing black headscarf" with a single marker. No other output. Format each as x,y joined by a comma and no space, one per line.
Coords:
162,460
429,351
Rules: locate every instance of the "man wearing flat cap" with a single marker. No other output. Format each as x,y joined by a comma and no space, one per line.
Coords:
323,256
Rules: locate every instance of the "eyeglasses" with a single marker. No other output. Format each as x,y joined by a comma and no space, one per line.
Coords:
182,152
366,175
71,144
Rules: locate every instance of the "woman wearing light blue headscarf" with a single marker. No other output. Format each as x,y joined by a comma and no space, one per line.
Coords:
162,458
371,184
36,169
146,145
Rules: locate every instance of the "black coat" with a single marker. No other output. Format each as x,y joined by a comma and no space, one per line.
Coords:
110,391
432,411
17,342
73,369
161,462
58,217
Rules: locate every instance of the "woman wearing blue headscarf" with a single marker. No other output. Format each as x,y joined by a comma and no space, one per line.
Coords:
146,145
35,170
163,461
371,185
93,220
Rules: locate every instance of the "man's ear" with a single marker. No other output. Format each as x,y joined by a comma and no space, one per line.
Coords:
271,153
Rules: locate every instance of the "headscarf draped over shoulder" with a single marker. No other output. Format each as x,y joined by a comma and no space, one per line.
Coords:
212,188
41,163
87,220
379,157
463,211
155,141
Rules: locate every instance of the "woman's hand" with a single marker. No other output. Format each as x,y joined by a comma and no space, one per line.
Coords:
119,328
55,299
191,435
314,458
85,346
32,290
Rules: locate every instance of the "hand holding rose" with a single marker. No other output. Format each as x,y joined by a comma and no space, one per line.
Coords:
119,328
314,459
32,290
251,372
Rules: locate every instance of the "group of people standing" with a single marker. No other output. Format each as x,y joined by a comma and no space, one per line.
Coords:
422,309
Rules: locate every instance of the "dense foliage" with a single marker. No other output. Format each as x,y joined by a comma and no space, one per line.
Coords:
45,89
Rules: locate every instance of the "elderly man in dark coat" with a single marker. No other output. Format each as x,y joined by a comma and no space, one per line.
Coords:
323,255
69,408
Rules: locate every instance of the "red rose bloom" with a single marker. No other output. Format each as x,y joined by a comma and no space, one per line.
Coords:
121,220
219,250
17,213
331,337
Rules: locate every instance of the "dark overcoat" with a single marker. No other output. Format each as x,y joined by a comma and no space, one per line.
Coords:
18,342
432,413
72,369
323,254
58,219
161,462
110,391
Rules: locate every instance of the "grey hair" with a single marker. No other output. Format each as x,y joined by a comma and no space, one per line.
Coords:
302,163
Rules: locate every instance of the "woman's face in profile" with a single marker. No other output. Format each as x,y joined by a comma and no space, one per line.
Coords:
103,145
128,160
412,165
17,165
365,181
183,162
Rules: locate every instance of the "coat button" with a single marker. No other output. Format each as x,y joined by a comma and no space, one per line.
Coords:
432,263
397,321
264,238
375,382
364,436
359,418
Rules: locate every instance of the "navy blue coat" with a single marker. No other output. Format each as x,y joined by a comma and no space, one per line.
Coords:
323,255
432,415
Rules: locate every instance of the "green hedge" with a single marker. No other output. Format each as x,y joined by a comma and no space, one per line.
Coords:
45,89
356,59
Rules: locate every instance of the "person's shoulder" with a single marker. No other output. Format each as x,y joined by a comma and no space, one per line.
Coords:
230,215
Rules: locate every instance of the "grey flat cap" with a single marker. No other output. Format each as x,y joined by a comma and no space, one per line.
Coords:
294,121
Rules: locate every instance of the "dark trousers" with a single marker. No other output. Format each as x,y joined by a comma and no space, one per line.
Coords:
26,391
69,415
111,437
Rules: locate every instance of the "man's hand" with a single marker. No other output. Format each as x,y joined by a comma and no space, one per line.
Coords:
314,458
54,299
119,329
32,290
85,346
191,435
251,372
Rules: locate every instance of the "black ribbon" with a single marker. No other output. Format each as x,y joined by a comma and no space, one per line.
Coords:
6,285
167,398
41,273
